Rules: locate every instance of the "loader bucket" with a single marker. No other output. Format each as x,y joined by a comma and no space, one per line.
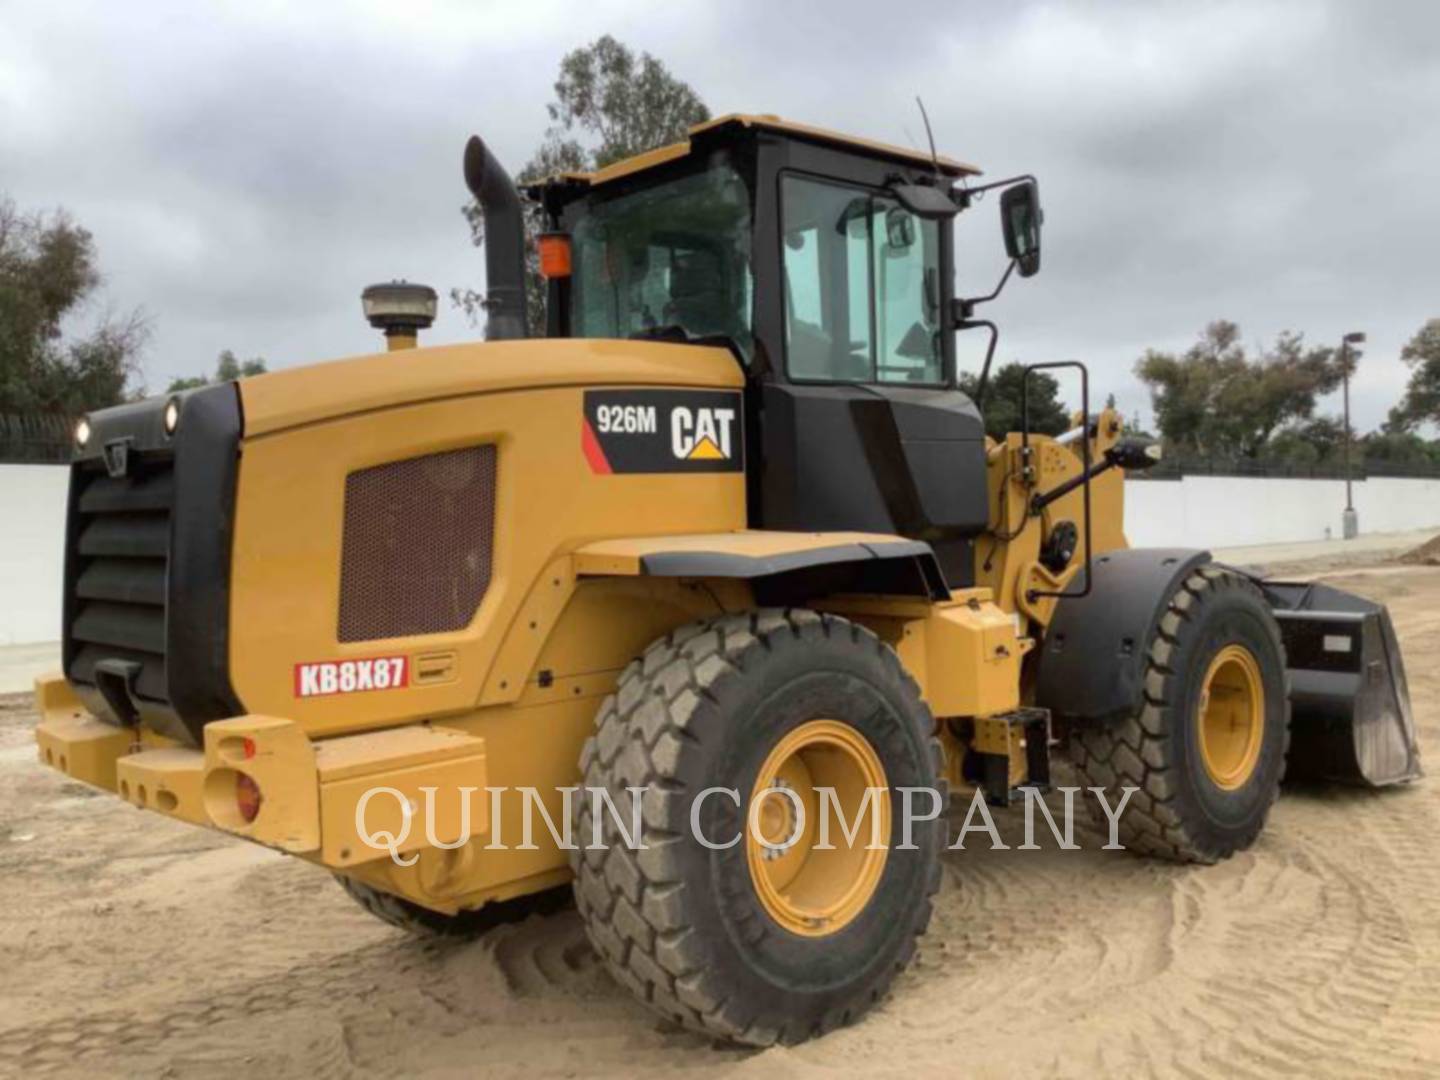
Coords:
1349,703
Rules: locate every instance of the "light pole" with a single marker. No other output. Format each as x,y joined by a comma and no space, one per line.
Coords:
1349,520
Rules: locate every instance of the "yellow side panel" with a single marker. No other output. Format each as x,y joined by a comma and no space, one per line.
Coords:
317,392
532,752
394,804
289,524
964,653
605,624
972,660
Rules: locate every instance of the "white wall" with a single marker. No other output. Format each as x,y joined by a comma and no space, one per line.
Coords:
32,551
1233,511
1198,511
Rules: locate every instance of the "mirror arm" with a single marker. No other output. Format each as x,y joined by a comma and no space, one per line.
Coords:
966,193
984,380
965,307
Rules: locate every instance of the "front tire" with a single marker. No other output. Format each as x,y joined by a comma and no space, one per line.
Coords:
1206,749
743,946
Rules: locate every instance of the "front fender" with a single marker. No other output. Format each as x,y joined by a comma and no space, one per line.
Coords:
1092,665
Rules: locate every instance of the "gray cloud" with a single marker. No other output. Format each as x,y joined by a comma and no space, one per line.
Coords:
247,169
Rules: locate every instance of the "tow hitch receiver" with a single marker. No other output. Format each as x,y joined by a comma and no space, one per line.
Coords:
1349,703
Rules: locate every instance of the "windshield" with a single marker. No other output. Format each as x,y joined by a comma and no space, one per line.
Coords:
668,260
862,281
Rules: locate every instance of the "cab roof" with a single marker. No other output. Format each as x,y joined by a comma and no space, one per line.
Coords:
738,122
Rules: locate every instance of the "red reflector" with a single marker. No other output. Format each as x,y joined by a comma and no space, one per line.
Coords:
247,797
554,249
249,748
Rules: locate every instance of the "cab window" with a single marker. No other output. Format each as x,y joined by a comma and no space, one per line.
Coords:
669,259
862,277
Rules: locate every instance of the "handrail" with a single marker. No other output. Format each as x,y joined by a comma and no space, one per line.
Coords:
1034,594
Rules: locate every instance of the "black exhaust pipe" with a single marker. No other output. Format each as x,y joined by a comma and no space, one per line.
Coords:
504,242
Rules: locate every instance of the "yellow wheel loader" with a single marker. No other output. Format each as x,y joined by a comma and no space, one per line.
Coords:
702,604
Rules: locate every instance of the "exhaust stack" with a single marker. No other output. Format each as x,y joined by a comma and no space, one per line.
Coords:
504,242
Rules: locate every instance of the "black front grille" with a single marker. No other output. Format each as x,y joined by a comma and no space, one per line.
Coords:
116,584
147,563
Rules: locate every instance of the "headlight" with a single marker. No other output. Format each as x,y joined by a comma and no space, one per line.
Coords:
172,415
82,433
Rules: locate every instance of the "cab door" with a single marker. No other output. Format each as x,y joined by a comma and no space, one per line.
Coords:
863,427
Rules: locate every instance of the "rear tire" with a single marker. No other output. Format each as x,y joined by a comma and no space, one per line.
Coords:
1205,787
415,919
688,928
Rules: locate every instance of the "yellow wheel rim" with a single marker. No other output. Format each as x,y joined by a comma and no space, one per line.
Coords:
1232,717
811,877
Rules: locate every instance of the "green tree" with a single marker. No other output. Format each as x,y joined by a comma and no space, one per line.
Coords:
1048,415
1320,439
1215,399
1291,448
1399,448
48,275
609,104
1422,396
228,367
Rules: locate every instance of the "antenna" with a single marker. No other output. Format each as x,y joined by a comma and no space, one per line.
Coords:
934,157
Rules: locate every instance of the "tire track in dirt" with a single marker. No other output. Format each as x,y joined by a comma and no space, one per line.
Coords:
1315,954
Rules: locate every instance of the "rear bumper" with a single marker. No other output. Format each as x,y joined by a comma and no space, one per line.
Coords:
325,800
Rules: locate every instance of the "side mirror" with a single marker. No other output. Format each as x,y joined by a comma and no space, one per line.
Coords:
1020,218
899,229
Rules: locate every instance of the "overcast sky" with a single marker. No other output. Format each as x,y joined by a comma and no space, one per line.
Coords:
246,169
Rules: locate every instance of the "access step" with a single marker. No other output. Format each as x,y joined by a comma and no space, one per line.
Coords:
1009,751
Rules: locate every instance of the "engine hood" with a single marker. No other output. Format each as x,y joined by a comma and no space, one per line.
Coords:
326,391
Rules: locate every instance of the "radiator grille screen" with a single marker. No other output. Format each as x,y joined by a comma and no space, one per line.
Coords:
417,546
117,570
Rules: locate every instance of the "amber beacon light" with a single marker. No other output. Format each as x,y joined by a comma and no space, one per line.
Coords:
554,250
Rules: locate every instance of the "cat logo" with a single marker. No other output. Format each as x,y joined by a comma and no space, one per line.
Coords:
701,434
654,430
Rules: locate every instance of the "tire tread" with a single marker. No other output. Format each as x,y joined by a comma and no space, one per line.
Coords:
1138,749
634,909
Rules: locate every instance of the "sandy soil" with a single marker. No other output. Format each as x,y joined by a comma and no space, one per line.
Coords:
132,945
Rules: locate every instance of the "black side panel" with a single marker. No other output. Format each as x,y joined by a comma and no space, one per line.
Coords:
1092,665
898,567
197,630
873,459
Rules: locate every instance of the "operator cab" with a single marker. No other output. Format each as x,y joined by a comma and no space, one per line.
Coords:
826,265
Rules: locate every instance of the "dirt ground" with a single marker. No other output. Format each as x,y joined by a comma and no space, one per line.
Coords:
131,945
